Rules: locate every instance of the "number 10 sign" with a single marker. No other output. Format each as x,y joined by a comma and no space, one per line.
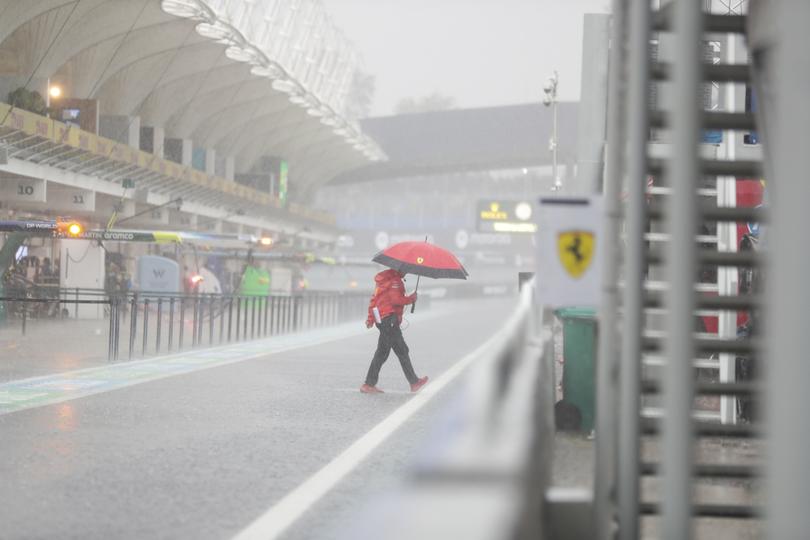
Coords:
22,189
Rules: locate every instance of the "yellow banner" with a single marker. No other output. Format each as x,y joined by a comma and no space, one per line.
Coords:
36,125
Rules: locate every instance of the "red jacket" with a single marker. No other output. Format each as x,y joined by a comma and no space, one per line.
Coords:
389,296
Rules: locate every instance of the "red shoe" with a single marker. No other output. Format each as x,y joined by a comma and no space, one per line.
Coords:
368,389
419,384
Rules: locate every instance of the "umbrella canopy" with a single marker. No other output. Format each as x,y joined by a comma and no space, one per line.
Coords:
421,259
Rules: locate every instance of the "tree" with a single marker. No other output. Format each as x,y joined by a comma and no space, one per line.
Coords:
429,103
25,99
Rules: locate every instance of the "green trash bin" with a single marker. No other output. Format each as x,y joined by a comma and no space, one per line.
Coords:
579,364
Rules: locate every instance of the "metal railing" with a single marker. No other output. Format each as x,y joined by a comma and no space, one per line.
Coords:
141,324
626,380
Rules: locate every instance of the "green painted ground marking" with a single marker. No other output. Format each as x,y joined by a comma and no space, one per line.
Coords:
50,389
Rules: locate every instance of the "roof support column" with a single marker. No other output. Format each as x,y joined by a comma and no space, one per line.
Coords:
153,140
230,168
179,150
210,162
123,129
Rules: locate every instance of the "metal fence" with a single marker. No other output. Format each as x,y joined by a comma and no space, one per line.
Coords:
141,324
648,460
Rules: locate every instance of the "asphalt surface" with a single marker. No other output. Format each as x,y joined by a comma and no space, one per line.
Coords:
202,454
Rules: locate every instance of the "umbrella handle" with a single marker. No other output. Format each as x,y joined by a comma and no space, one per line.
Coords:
413,306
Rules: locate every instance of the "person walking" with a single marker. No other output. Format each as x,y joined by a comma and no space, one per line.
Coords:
385,310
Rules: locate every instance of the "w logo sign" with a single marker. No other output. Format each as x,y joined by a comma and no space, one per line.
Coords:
158,273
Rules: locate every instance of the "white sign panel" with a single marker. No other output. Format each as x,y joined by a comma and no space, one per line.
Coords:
158,274
569,239
83,267
280,281
153,217
20,189
182,219
72,200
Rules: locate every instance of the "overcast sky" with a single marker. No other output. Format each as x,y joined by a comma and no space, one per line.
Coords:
480,52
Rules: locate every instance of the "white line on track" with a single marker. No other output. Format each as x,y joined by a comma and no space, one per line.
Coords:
279,517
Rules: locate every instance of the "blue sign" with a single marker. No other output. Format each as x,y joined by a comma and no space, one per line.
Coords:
712,136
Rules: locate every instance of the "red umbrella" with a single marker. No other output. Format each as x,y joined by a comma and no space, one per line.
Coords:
421,259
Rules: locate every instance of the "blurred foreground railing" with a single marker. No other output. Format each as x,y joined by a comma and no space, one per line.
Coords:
141,324
488,474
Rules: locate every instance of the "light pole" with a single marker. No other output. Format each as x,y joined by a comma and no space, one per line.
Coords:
51,92
550,100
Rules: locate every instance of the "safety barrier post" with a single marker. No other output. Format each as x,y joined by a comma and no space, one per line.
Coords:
195,314
145,325
296,312
116,343
681,264
159,322
283,313
238,315
133,323
111,331
221,317
274,324
253,317
258,316
266,313
171,324
211,319
230,317
629,395
280,315
182,328
245,325
289,317
200,321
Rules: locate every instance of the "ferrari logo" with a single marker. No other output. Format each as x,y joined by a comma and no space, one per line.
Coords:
419,260
575,249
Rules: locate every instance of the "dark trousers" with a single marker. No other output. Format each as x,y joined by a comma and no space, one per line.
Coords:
390,338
